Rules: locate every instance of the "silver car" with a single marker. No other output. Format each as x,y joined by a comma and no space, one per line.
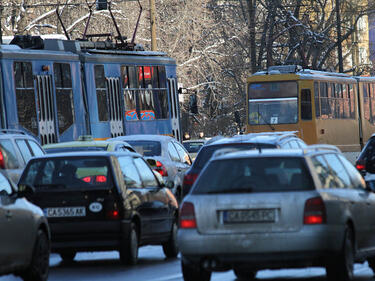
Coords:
25,235
267,209
165,155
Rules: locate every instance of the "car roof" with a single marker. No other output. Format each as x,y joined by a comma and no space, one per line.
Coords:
144,137
298,152
78,143
88,153
268,138
16,133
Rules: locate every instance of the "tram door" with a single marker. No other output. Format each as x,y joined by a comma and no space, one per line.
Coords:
173,98
46,122
116,121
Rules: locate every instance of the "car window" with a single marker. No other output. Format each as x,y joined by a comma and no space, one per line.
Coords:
146,173
5,187
327,177
9,154
339,171
268,174
130,172
183,153
193,147
173,153
146,148
37,150
25,151
356,177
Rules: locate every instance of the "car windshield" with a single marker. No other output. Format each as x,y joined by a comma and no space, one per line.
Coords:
146,148
67,173
192,147
268,174
207,151
76,148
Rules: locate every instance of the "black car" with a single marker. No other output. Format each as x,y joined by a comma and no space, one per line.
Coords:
285,140
99,201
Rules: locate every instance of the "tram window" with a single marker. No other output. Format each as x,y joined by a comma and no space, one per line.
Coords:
146,104
101,93
316,97
125,77
324,104
366,102
133,81
161,104
140,75
147,76
64,95
155,77
352,94
130,105
162,77
25,97
306,113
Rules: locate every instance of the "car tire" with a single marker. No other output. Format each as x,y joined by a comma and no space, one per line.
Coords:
342,266
67,256
39,267
194,272
129,247
170,248
244,274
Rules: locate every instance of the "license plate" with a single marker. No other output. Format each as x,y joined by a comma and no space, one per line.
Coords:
65,212
253,215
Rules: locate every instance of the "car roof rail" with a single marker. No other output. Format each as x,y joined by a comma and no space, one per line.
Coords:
318,147
280,135
12,131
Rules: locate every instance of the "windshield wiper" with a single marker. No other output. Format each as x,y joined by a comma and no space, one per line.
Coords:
265,121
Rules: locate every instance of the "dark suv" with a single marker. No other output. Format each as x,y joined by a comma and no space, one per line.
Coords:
286,140
365,162
16,149
100,201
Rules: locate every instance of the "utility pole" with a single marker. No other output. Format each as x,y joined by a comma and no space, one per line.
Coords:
153,25
339,43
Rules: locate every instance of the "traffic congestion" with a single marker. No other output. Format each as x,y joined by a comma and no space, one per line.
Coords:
247,205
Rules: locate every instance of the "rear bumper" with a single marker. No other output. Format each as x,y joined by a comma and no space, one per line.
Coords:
310,246
88,236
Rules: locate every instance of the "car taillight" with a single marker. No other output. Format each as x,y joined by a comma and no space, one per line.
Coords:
2,163
187,216
101,179
160,168
113,214
189,179
87,179
315,211
360,166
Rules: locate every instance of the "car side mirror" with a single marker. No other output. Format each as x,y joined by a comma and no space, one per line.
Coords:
25,190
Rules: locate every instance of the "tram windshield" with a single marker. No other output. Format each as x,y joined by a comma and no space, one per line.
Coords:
273,103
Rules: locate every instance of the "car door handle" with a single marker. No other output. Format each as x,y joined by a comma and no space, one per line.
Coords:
8,215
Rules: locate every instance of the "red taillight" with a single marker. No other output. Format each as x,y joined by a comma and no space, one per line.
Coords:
160,168
101,179
187,216
87,179
2,163
189,179
315,211
360,167
113,214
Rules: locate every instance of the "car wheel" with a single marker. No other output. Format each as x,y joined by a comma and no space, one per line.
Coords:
194,272
244,274
129,248
68,256
342,266
170,248
39,266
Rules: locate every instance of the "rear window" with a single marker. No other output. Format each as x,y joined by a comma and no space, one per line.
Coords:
254,175
207,151
193,147
67,173
73,149
146,148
